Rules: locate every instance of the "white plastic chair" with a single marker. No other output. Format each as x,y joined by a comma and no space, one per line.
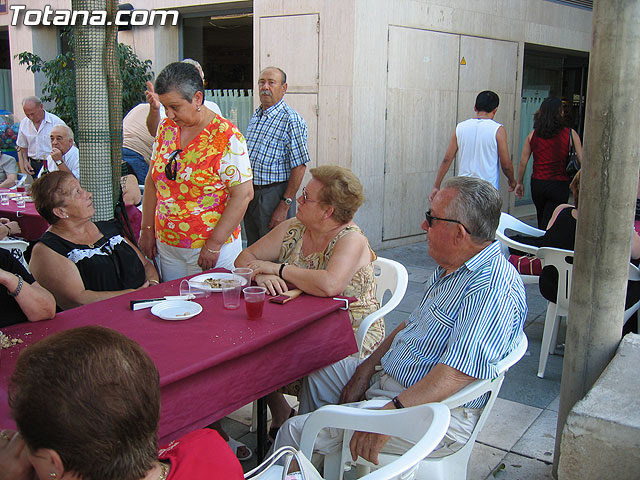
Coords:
454,466
507,222
562,260
17,248
392,277
389,276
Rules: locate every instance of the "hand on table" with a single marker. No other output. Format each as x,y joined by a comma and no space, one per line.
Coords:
273,283
367,445
267,268
14,462
12,227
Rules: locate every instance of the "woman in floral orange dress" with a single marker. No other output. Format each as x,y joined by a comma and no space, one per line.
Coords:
199,183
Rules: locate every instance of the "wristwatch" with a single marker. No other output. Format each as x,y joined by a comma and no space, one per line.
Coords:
287,200
59,162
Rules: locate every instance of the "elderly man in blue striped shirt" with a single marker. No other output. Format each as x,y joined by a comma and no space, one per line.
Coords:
277,141
470,317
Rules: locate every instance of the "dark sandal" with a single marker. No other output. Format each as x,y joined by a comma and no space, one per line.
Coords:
273,431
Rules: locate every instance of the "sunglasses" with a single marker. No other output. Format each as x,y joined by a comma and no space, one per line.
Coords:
305,198
430,218
171,170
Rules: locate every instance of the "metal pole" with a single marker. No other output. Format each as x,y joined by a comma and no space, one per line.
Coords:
609,183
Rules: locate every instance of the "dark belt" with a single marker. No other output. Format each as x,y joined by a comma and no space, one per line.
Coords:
268,185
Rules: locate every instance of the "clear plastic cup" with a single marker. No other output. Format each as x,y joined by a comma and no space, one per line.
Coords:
4,198
189,290
20,201
245,273
231,292
254,301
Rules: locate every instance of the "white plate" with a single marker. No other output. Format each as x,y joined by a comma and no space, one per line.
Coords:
176,309
198,281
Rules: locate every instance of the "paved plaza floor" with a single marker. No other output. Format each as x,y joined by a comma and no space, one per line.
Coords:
518,438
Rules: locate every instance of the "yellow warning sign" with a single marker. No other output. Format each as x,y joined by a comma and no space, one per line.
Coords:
463,61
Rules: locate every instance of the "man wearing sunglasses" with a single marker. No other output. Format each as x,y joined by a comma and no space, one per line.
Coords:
471,317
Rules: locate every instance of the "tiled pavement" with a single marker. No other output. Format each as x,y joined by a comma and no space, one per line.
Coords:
517,441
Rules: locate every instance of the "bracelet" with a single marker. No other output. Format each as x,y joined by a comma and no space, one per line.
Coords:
397,403
16,292
281,269
153,281
149,227
215,252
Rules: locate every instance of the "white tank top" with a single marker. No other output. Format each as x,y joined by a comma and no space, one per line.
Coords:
478,149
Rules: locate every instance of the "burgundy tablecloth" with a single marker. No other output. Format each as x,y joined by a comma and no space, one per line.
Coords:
211,364
30,221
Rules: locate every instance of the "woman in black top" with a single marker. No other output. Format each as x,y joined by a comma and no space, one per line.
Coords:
80,261
22,298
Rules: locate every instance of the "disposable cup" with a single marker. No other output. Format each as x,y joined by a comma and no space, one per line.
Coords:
20,201
245,273
231,292
187,289
254,301
4,198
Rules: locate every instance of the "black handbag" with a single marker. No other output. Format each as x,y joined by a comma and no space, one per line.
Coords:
573,165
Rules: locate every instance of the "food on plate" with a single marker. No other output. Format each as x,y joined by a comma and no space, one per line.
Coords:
213,282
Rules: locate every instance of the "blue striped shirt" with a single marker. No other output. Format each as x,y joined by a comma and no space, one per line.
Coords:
277,141
469,320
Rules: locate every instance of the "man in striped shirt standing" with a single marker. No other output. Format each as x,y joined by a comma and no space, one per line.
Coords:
470,318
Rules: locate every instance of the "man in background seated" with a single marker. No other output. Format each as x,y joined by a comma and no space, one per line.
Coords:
470,318
64,154
8,171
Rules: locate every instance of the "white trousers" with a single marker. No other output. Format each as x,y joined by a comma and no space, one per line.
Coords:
324,387
176,262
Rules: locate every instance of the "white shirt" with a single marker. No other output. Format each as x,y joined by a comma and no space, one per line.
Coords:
37,142
478,149
71,159
207,103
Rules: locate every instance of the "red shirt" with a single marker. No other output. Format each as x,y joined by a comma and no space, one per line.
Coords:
550,156
201,455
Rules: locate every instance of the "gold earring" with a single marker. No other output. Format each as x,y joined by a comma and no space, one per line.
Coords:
53,475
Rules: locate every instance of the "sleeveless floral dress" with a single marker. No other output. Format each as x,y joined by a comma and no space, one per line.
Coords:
361,286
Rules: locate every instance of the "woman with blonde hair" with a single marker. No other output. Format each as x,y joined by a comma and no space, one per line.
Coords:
322,252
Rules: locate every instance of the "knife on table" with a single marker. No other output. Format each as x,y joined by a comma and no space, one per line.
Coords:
150,302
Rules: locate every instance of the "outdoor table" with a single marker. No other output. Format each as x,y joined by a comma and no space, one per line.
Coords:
213,363
30,221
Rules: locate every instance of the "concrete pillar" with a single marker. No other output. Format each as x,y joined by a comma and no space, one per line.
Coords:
609,182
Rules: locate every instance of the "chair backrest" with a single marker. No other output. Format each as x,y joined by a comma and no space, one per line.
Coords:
17,248
507,222
424,424
390,276
562,260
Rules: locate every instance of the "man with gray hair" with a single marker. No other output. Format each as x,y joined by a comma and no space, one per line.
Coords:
471,317
33,139
277,141
64,154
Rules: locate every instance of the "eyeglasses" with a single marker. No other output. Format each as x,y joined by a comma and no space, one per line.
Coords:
305,198
430,218
171,170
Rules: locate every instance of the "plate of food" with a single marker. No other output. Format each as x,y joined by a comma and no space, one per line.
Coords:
211,281
176,309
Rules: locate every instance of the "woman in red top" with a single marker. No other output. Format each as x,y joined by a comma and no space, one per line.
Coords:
549,143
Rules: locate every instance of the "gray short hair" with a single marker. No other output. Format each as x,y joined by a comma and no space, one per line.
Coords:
477,205
66,128
35,100
284,75
182,78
